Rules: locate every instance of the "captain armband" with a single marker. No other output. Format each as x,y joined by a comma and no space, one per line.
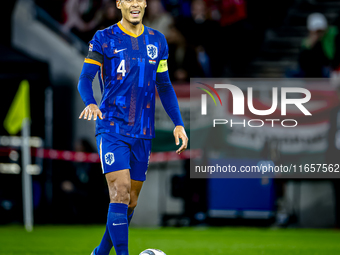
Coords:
162,66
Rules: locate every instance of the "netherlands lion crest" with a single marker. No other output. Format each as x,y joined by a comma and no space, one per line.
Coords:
152,51
109,158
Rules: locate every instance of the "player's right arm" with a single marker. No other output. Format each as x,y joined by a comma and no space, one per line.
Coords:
88,73
92,63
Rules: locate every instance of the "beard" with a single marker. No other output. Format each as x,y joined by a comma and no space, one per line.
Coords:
135,23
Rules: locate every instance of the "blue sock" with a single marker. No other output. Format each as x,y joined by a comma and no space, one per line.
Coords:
106,245
117,224
130,217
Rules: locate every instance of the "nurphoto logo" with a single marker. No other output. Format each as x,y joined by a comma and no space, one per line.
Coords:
239,103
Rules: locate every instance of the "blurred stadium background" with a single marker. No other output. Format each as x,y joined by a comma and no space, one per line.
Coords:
45,42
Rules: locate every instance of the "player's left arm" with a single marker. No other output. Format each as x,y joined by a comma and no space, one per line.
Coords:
170,103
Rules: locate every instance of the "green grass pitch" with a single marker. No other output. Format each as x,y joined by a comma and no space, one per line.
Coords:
80,240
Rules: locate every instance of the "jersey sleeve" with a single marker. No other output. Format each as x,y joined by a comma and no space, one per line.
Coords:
164,49
163,65
95,53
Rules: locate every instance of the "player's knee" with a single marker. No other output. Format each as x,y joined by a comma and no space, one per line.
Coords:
121,193
132,205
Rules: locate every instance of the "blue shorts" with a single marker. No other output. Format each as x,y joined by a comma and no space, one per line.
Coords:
118,152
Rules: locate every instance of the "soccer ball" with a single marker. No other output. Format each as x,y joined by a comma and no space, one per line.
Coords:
152,252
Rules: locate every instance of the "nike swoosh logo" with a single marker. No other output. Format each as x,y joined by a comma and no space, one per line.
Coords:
116,51
114,224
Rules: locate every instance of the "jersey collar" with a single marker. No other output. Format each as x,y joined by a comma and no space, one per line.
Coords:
129,33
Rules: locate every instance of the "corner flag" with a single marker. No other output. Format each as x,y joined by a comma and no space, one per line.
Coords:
19,110
18,117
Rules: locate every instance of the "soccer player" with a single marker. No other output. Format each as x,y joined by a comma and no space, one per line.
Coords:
131,59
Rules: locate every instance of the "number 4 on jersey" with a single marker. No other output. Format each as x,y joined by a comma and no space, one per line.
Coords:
121,68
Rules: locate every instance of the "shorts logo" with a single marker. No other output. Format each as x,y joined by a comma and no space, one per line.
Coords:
91,47
152,51
109,158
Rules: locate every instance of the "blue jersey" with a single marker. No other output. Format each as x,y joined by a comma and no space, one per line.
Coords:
128,66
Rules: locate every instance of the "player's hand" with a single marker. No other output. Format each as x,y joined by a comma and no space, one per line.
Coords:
91,110
179,133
